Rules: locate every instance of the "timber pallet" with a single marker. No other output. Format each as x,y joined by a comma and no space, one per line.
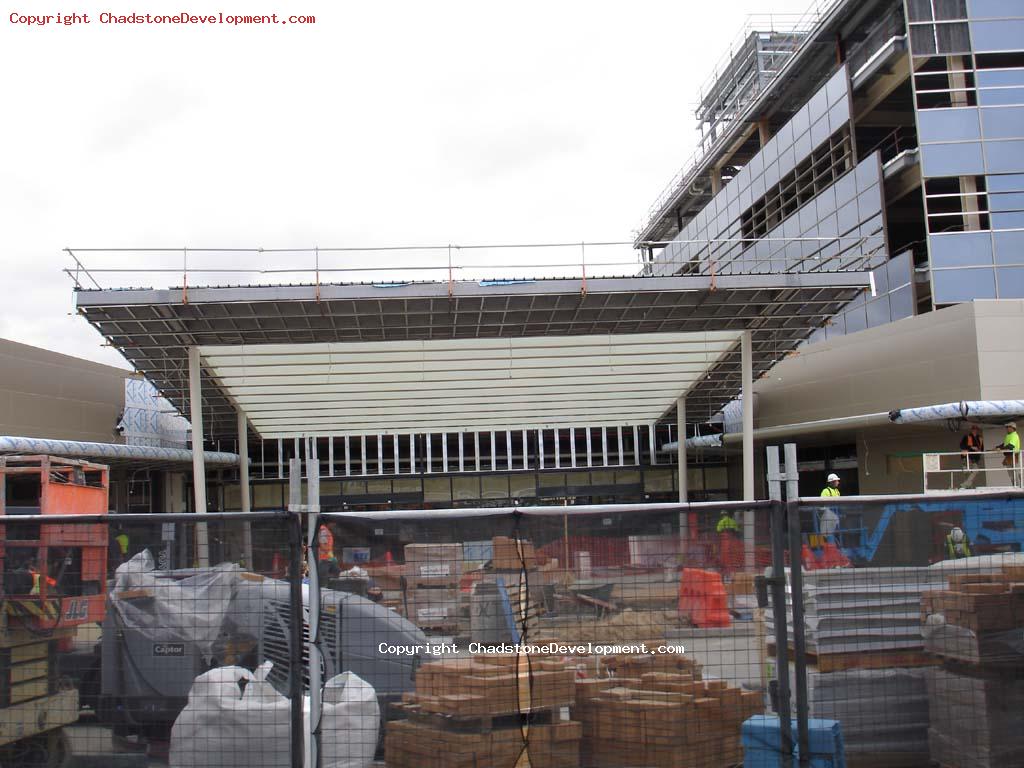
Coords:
839,662
888,760
999,670
480,723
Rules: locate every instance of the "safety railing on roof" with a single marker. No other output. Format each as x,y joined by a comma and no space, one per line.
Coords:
394,266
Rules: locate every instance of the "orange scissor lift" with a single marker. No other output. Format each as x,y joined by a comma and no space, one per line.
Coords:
54,580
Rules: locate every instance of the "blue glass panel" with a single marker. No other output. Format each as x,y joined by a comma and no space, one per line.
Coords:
1003,122
820,131
989,97
802,146
846,188
837,327
952,159
878,311
1007,221
848,217
948,125
958,249
953,285
1005,183
1006,201
996,77
901,303
900,269
856,320
993,9
1005,156
1009,247
838,115
1003,35
1011,282
881,276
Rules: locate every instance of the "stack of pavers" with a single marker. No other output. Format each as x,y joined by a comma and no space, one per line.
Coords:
866,658
432,576
487,711
657,712
976,627
514,568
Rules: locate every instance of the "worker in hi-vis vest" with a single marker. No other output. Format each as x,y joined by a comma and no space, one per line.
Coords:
727,524
957,545
832,486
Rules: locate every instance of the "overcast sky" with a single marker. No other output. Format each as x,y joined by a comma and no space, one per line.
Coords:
384,123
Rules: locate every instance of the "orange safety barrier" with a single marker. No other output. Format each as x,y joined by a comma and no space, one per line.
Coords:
702,598
826,556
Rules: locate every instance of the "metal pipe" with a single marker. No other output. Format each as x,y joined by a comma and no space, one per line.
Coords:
681,429
547,511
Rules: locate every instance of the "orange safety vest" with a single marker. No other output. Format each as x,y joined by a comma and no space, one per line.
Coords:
326,541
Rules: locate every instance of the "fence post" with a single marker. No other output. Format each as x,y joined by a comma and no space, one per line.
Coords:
778,584
796,588
296,640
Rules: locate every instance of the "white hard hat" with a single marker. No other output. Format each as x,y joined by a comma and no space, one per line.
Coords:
833,478
956,535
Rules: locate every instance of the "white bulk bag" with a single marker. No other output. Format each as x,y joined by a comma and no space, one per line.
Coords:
224,726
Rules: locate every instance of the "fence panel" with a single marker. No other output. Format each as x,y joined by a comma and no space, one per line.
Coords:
568,636
610,636
914,625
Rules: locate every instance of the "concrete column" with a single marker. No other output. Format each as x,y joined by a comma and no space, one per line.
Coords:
243,480
747,376
195,397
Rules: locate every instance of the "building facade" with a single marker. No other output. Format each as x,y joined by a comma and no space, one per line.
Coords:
891,135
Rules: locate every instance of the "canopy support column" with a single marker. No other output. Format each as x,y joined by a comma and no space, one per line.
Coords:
243,482
747,376
195,397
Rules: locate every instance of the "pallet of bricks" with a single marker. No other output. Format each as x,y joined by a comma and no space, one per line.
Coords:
487,711
432,576
976,629
655,711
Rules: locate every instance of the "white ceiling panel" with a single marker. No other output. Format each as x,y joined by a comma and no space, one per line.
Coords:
454,385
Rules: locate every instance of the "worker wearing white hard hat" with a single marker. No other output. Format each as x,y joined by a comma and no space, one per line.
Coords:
832,486
957,545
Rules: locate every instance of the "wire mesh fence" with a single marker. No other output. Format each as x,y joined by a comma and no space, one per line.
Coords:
611,636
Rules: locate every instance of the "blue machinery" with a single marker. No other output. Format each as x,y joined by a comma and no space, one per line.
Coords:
990,525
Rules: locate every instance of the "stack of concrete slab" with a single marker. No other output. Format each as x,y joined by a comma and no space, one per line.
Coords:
882,711
865,655
863,610
975,721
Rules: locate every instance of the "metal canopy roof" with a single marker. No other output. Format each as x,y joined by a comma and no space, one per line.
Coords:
450,385
155,328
